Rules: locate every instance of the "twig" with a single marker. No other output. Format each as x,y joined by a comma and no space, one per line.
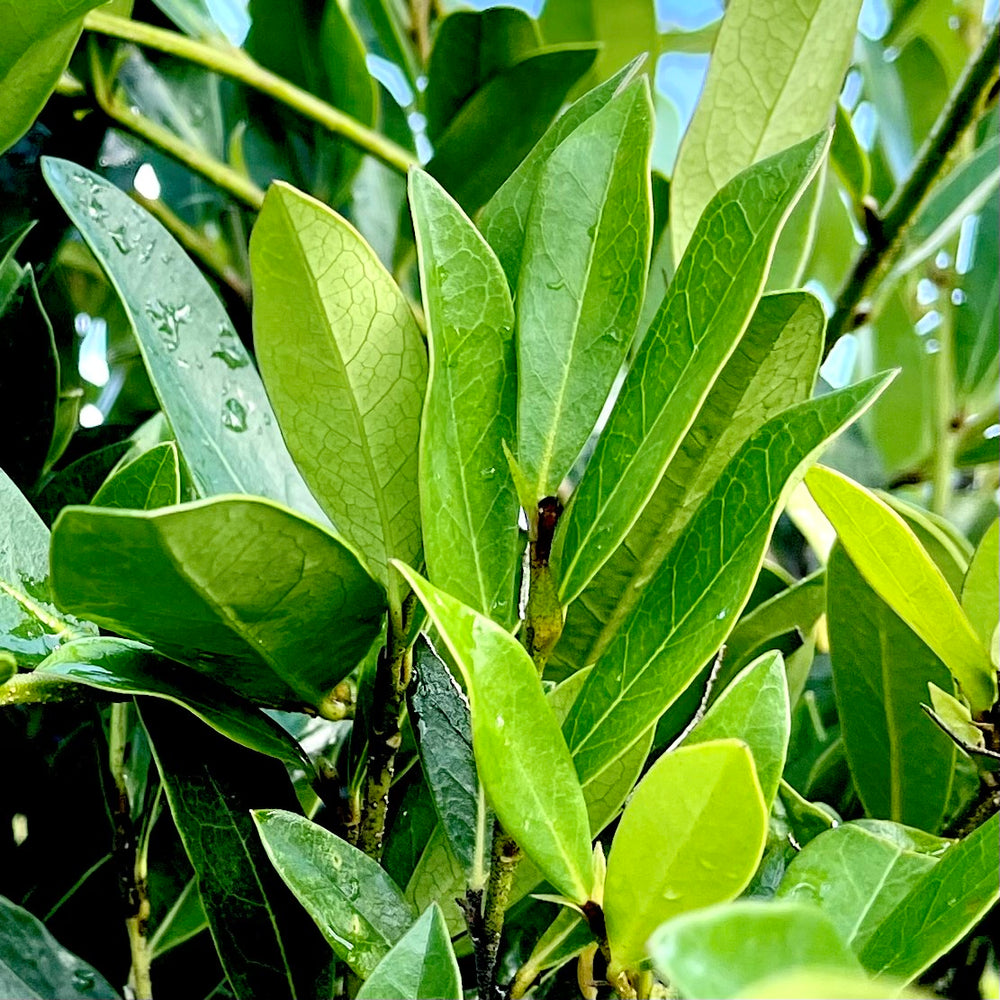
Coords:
706,696
888,227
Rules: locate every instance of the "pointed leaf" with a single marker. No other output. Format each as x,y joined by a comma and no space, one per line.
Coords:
697,327
521,755
420,966
152,480
358,908
581,282
889,557
977,323
684,614
202,374
981,588
691,835
760,96
467,498
346,369
244,608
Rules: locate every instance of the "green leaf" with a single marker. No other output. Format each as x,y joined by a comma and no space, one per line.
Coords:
346,369
753,708
981,588
848,157
857,873
184,919
203,376
773,366
956,718
438,877
151,481
124,667
977,319
420,966
77,482
34,965
358,908
691,835
687,609
889,557
760,97
699,324
563,940
820,984
521,755
900,761
719,951
244,609
439,714
468,502
581,282
940,909
504,218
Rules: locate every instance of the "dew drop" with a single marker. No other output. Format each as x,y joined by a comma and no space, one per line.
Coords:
488,473
168,320
671,895
722,614
120,240
146,253
83,979
234,415
229,349
932,346
555,286
499,722
957,297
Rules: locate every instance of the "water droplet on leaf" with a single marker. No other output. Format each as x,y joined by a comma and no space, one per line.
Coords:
234,415
229,349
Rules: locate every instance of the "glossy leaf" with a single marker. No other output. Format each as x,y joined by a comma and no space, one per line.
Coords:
581,282
820,984
682,617
521,755
857,873
889,557
900,761
760,98
150,481
691,835
420,966
33,964
753,708
202,374
244,608
563,940
125,667
940,909
705,311
717,952
358,908
467,498
981,588
346,369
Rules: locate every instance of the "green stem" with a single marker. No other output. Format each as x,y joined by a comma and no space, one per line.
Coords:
505,856
944,424
235,64
974,89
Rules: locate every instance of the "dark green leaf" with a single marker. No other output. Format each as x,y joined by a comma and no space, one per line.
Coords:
150,481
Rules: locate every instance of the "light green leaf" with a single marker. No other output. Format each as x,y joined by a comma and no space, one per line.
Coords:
848,158
688,607
563,940
820,984
940,909
977,320
719,951
856,873
889,557
705,311
504,218
124,667
420,966
467,498
955,716
753,708
581,282
244,609
202,374
760,96
901,763
981,588
521,755
691,835
346,369
150,481
358,908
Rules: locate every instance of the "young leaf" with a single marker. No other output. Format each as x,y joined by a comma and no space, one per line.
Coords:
718,951
581,282
420,966
889,557
901,763
467,498
691,835
761,97
244,608
563,940
150,481
201,372
521,755
981,588
753,708
346,368
699,590
358,908
940,909
697,327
